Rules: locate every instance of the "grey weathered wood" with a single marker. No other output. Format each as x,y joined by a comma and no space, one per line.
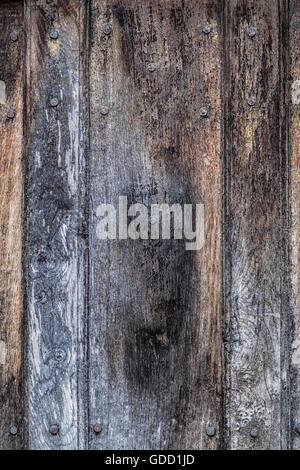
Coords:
256,310
127,333
55,244
155,327
11,222
295,212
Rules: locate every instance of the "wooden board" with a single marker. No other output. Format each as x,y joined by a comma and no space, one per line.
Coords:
256,313
11,206
295,212
55,238
143,344
155,326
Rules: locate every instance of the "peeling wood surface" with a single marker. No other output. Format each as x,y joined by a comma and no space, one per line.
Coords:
254,166
54,245
11,221
295,213
152,342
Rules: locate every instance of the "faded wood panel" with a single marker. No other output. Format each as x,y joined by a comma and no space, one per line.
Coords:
55,240
154,328
11,204
295,211
254,211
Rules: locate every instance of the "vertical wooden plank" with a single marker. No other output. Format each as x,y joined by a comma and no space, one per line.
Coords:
155,334
256,314
55,240
295,211
11,197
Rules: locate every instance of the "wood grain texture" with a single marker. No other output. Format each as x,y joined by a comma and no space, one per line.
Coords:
55,237
11,221
295,212
155,333
256,315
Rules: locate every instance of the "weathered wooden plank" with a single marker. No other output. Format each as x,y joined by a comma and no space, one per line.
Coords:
55,240
11,203
256,316
154,328
295,212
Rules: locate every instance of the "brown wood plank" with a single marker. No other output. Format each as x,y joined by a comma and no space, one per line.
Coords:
256,314
155,333
295,212
11,203
55,238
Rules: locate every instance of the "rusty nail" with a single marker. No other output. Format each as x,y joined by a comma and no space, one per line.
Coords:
104,110
251,31
207,28
210,430
97,428
14,36
151,67
13,430
11,113
203,111
54,429
54,34
54,102
254,432
107,29
251,100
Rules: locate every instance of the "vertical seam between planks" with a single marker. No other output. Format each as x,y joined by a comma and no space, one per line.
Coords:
223,225
226,258
83,378
288,218
285,341
87,209
26,74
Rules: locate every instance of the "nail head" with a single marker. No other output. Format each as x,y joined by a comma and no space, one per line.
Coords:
254,432
210,430
251,100
11,113
207,28
97,428
104,110
54,102
203,111
14,36
251,32
54,429
13,430
107,29
54,34
151,67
